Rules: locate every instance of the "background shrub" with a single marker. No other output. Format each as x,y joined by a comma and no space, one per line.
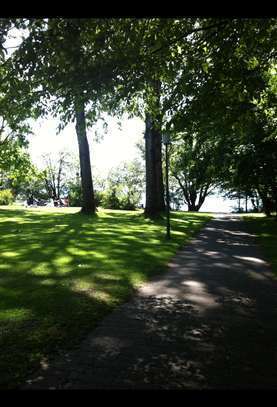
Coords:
6,197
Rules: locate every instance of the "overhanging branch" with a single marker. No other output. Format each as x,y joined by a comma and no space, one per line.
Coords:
188,33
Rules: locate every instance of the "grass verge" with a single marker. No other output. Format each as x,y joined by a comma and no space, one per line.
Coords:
61,272
266,231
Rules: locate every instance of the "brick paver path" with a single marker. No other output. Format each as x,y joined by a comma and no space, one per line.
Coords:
209,322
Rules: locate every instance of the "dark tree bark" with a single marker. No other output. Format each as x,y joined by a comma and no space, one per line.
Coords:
267,205
192,208
153,154
88,201
61,163
190,194
154,179
274,197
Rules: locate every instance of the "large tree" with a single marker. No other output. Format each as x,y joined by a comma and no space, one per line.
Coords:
67,62
194,164
15,166
169,71
227,89
56,174
164,51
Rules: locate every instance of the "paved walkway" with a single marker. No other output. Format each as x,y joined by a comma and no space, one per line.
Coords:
209,322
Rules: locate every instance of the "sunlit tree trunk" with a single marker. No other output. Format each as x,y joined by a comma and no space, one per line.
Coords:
88,201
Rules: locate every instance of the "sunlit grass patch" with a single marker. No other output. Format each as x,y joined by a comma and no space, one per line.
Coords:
14,314
63,272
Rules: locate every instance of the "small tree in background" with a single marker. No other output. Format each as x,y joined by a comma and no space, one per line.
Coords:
193,165
57,174
6,197
124,186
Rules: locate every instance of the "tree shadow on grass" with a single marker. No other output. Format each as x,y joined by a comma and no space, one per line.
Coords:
61,273
210,323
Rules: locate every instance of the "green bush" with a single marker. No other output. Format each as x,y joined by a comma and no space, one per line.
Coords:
110,200
6,197
113,199
75,195
75,198
127,204
99,197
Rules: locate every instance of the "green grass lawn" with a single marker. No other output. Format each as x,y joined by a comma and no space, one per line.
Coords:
61,272
266,231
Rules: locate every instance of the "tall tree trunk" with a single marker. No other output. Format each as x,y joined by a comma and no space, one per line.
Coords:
274,198
59,179
88,201
154,178
192,208
202,196
265,202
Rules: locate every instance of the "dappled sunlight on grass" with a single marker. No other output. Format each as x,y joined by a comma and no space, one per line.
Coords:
15,314
65,271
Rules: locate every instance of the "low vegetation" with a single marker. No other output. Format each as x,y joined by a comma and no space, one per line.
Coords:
265,228
6,197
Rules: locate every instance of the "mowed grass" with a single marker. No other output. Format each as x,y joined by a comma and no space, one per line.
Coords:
61,272
266,231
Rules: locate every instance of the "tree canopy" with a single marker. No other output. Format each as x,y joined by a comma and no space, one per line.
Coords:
209,82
